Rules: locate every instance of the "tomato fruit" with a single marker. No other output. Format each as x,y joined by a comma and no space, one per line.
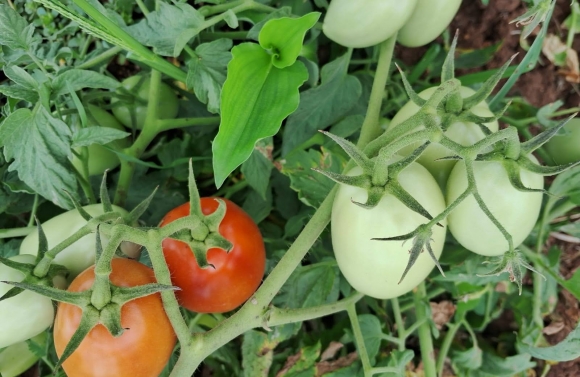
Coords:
565,148
236,275
460,132
515,210
365,23
375,267
100,158
132,115
81,254
427,22
24,315
142,350
17,358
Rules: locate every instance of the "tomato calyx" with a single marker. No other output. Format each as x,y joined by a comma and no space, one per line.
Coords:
422,238
55,272
512,262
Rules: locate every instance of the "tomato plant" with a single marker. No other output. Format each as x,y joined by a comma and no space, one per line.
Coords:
463,133
564,148
81,254
235,275
365,23
144,347
516,211
375,267
132,115
24,315
423,26
100,158
17,358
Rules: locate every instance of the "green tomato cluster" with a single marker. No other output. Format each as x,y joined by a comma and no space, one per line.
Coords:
364,23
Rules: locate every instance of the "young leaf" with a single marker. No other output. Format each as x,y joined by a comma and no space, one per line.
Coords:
15,32
254,32
257,168
323,105
283,37
79,79
256,97
168,29
96,135
39,145
206,73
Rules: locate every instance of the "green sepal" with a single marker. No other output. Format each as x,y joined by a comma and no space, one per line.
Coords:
194,200
486,131
448,69
74,298
11,293
356,154
468,116
448,158
527,164
18,266
122,295
42,242
487,87
215,240
513,263
513,171
140,209
213,220
199,250
543,137
413,96
362,181
110,317
99,244
104,193
84,214
395,189
398,166
374,196
89,319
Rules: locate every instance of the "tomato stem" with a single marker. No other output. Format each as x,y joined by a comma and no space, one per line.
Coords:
422,312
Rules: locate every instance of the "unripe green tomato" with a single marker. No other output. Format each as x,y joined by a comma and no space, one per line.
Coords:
100,158
364,23
516,211
463,133
565,148
427,22
81,254
17,358
168,103
375,267
24,315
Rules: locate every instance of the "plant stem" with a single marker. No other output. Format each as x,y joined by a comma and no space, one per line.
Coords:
171,124
17,232
424,331
444,350
101,58
371,127
399,322
359,339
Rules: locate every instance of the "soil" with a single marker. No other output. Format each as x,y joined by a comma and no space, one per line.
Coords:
481,26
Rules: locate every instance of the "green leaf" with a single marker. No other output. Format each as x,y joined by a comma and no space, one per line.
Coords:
21,77
206,73
80,79
258,207
19,92
168,29
312,188
303,363
257,168
257,354
471,358
254,32
96,135
323,105
39,145
15,32
371,329
283,37
256,97
495,366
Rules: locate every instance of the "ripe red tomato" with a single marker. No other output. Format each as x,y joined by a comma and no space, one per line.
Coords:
142,350
236,275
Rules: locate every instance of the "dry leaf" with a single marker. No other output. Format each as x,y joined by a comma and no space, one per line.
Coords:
553,47
442,312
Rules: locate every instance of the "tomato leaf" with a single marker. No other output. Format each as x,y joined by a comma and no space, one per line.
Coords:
79,79
257,353
370,327
257,168
168,29
39,145
283,37
96,135
15,32
256,97
207,73
323,105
